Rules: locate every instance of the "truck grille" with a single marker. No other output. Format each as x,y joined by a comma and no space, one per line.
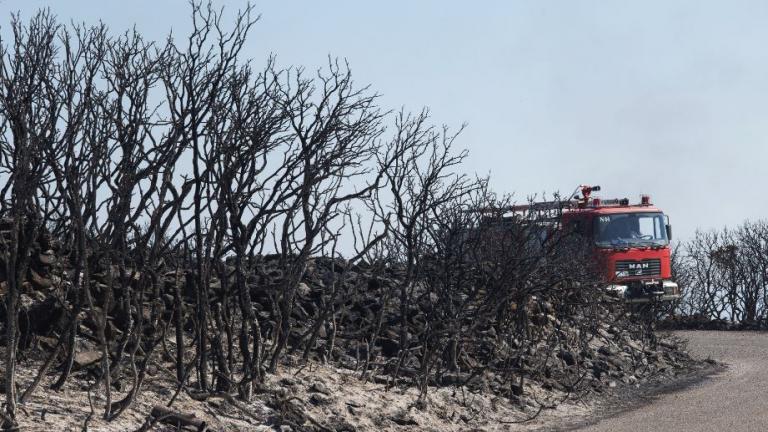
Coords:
649,267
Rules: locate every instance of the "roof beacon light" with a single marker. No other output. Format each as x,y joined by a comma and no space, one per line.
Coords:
595,202
645,200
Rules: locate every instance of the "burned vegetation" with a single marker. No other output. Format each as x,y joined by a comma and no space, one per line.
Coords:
169,209
724,274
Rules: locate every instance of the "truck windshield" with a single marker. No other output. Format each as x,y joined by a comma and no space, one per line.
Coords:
630,229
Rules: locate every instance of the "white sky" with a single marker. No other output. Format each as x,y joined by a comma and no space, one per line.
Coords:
668,98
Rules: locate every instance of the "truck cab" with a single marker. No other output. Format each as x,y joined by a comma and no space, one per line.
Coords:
630,243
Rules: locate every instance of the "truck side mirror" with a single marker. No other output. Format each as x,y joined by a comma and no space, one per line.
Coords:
669,232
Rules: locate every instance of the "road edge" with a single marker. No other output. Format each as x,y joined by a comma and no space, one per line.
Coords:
628,399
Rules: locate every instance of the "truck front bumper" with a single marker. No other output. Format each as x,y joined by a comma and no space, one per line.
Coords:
646,291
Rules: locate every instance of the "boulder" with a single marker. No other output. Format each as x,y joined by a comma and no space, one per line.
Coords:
567,357
86,358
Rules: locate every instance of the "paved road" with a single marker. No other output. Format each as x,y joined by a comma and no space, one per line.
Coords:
732,401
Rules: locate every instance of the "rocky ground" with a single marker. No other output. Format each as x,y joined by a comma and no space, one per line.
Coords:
572,355
316,396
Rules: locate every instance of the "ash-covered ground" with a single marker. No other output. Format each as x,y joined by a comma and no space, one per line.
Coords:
346,373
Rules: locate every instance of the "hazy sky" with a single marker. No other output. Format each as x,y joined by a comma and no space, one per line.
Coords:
668,98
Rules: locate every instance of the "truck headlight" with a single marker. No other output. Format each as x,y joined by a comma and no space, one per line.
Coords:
670,287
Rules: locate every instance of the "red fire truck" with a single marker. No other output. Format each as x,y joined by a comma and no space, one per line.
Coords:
630,241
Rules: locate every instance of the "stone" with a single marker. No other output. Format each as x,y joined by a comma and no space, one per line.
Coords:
303,290
666,343
47,258
606,350
86,358
389,347
567,357
319,387
403,418
339,424
319,399
38,280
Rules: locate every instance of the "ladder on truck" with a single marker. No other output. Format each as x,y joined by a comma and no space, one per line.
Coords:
543,210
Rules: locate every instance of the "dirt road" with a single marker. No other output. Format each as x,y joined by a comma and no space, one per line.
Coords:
733,401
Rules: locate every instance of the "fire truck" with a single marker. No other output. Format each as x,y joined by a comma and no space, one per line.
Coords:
630,242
